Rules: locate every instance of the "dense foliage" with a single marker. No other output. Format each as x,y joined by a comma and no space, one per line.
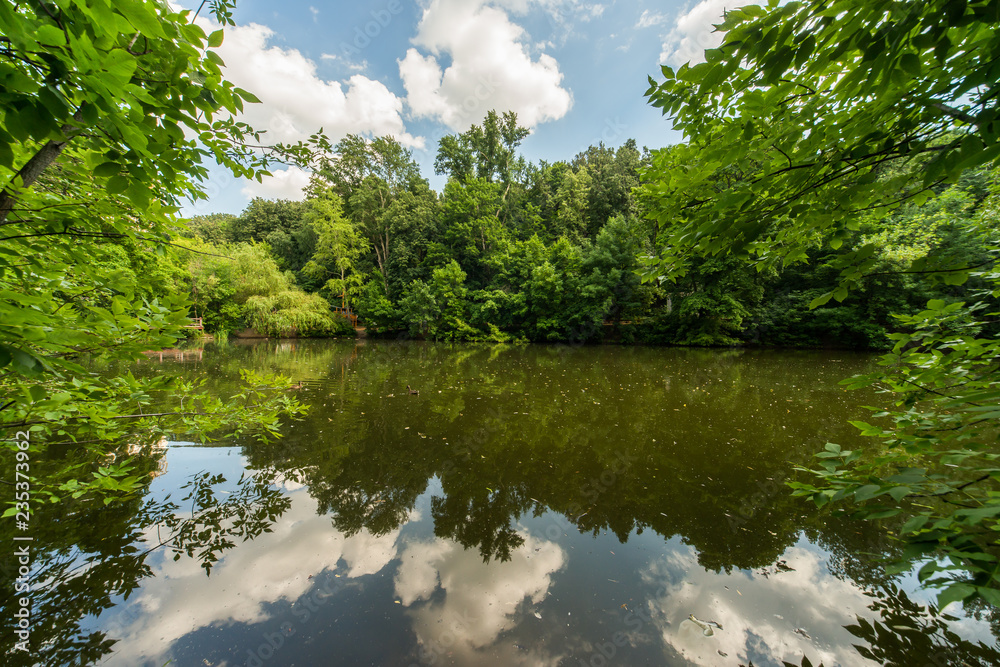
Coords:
553,252
838,187
110,114
866,134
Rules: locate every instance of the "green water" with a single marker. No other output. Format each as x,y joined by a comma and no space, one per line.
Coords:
529,506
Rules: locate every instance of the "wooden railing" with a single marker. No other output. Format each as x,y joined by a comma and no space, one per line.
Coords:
346,312
196,323
176,354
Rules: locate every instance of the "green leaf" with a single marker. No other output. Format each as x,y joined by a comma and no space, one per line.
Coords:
117,184
910,63
248,96
107,170
954,593
215,39
991,595
978,514
956,278
820,301
899,492
867,492
142,15
24,362
914,524
50,35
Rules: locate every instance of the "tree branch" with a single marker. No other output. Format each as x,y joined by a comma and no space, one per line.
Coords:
957,114
34,167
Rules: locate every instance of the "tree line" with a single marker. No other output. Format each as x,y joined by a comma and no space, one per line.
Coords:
549,252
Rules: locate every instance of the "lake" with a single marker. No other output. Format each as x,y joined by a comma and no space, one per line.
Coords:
531,505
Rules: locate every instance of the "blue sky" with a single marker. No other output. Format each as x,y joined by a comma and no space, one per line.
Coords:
574,70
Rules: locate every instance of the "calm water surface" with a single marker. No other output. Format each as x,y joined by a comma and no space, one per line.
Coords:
530,506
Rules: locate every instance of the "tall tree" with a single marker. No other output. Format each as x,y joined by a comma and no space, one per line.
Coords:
471,226
369,176
281,224
339,247
487,151
571,201
614,173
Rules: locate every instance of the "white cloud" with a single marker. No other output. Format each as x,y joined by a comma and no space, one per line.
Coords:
649,19
344,62
694,32
296,102
478,601
490,66
560,12
279,565
768,615
282,184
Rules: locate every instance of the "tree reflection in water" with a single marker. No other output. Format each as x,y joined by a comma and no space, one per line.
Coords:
591,440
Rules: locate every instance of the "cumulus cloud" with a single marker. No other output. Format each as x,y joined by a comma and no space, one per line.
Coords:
558,10
286,183
344,62
296,102
478,601
180,599
491,66
694,32
767,617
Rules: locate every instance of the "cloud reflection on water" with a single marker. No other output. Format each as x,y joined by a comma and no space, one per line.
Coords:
480,601
179,599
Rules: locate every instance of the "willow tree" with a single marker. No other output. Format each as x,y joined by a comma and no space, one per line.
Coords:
809,116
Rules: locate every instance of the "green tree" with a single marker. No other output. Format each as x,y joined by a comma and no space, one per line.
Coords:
369,177
471,226
808,100
338,248
439,309
216,228
415,250
571,201
609,269
109,114
282,225
487,151
244,288
614,174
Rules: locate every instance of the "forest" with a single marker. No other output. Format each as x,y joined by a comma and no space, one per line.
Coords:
512,250
837,186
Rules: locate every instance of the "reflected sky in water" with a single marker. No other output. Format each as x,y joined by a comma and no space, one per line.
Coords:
538,506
